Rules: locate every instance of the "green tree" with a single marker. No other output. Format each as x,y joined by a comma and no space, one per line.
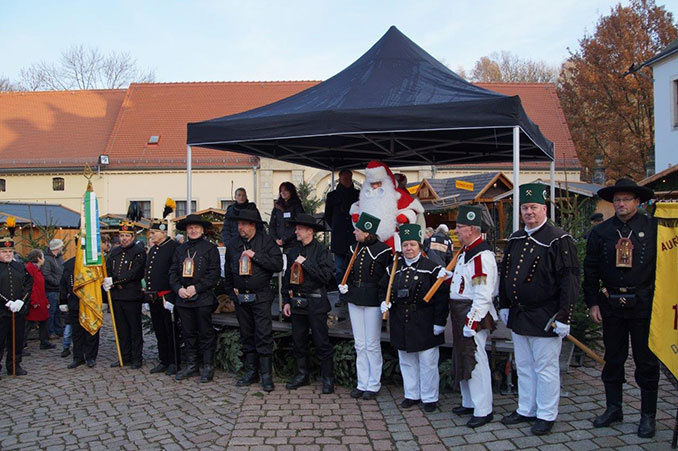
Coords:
309,201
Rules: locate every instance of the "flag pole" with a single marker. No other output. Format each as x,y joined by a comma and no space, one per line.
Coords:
110,307
88,175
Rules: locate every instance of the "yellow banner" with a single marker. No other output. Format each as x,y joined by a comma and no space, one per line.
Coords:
87,286
664,323
468,186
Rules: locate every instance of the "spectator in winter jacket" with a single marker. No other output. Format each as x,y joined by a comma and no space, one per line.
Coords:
285,209
52,269
38,312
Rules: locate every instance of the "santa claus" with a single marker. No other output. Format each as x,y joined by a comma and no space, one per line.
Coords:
380,197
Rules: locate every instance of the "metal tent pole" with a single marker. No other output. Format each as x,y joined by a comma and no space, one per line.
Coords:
254,181
188,180
552,171
516,178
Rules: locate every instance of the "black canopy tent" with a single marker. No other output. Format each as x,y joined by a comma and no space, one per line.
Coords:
396,104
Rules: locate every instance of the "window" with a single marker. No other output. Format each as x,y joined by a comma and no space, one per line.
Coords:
145,206
58,184
224,204
3,185
674,106
181,207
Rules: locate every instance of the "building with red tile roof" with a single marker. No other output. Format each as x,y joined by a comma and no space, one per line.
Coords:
162,110
56,129
51,136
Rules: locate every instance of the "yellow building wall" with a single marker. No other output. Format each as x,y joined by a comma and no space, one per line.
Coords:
209,187
37,188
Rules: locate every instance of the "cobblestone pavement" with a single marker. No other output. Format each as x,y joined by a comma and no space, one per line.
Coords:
104,408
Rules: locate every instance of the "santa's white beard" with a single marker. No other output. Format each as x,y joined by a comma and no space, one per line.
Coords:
382,203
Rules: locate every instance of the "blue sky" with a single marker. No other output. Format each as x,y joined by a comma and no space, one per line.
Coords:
288,40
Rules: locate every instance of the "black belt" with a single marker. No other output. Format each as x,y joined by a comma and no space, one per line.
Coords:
309,295
621,290
359,284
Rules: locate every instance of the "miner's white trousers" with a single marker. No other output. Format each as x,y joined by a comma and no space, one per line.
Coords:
366,325
420,374
538,367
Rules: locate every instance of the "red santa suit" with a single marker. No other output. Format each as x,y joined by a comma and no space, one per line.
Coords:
391,205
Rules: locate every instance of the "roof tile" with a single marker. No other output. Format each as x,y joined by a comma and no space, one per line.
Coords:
70,128
56,128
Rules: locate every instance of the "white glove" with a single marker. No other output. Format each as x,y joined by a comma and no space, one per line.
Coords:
63,308
437,330
145,308
444,273
343,289
16,305
107,283
468,332
384,307
563,330
169,306
504,315
8,304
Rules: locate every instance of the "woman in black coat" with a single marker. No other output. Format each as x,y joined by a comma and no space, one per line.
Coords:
417,326
285,209
230,229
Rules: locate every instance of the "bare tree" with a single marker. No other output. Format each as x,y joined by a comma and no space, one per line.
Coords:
83,67
6,85
506,67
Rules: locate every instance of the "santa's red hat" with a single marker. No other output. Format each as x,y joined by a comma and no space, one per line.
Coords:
377,171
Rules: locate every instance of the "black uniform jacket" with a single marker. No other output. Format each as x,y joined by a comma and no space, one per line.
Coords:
206,272
539,278
337,215
600,265
15,284
66,295
266,261
279,227
318,272
158,264
126,266
230,229
412,318
368,270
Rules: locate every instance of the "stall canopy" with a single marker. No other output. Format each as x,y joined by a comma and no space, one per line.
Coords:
396,104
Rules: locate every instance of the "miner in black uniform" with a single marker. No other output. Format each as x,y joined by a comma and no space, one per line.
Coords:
251,259
125,268
538,287
362,294
417,326
309,270
160,296
619,274
85,345
195,272
15,291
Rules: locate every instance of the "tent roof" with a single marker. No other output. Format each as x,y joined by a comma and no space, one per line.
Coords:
44,215
395,103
